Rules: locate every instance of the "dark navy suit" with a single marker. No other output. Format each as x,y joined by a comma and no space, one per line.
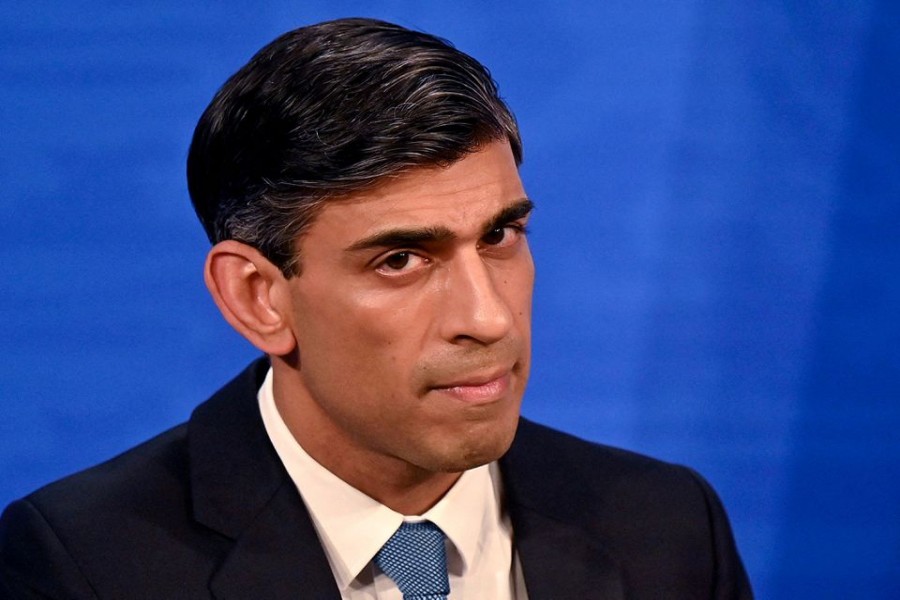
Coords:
206,510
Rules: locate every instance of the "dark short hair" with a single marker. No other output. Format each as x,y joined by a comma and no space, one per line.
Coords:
331,109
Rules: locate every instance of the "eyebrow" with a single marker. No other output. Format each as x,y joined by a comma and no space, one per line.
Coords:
432,235
513,212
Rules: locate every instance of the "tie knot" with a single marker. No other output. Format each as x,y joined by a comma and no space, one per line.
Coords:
415,558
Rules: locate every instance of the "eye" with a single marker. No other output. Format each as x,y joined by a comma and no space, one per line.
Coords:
501,237
398,263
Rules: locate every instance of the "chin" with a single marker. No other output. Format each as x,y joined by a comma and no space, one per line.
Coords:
479,447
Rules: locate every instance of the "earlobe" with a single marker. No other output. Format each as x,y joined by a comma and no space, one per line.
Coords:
249,291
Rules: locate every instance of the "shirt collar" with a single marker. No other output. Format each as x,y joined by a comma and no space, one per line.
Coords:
354,526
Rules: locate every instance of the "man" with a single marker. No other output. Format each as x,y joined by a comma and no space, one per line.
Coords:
359,183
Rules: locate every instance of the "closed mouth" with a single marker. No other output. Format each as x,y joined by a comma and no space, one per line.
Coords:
478,388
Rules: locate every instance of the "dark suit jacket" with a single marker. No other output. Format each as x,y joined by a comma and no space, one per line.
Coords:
207,510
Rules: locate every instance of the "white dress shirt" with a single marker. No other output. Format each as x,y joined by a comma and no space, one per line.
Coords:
352,527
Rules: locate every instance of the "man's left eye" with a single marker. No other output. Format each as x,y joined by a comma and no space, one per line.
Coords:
502,236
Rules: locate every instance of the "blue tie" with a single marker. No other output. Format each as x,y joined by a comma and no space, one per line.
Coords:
415,558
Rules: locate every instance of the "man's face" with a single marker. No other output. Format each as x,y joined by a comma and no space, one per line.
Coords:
412,319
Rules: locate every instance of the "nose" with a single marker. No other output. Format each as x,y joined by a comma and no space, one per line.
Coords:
474,307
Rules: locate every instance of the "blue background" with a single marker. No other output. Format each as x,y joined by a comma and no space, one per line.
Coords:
718,191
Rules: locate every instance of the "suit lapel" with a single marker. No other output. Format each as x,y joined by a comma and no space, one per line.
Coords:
560,561
240,489
560,558
277,557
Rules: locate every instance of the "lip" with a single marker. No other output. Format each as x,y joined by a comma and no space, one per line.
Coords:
478,389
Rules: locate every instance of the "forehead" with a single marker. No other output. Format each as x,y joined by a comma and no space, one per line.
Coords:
460,196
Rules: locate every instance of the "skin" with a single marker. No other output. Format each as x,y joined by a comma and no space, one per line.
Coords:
401,352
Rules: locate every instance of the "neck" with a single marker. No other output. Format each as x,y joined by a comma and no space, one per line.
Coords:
403,487
399,486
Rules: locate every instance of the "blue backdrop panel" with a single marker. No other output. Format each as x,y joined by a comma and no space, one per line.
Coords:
718,191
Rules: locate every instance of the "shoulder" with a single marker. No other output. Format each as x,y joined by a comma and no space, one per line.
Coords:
133,477
662,522
620,495
138,504
93,517
541,453
159,470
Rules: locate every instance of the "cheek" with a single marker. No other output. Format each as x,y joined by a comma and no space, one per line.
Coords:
370,339
394,319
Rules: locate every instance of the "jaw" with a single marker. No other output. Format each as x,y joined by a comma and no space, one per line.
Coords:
407,464
411,488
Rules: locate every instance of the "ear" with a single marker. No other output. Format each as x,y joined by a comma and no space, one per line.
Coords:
252,295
